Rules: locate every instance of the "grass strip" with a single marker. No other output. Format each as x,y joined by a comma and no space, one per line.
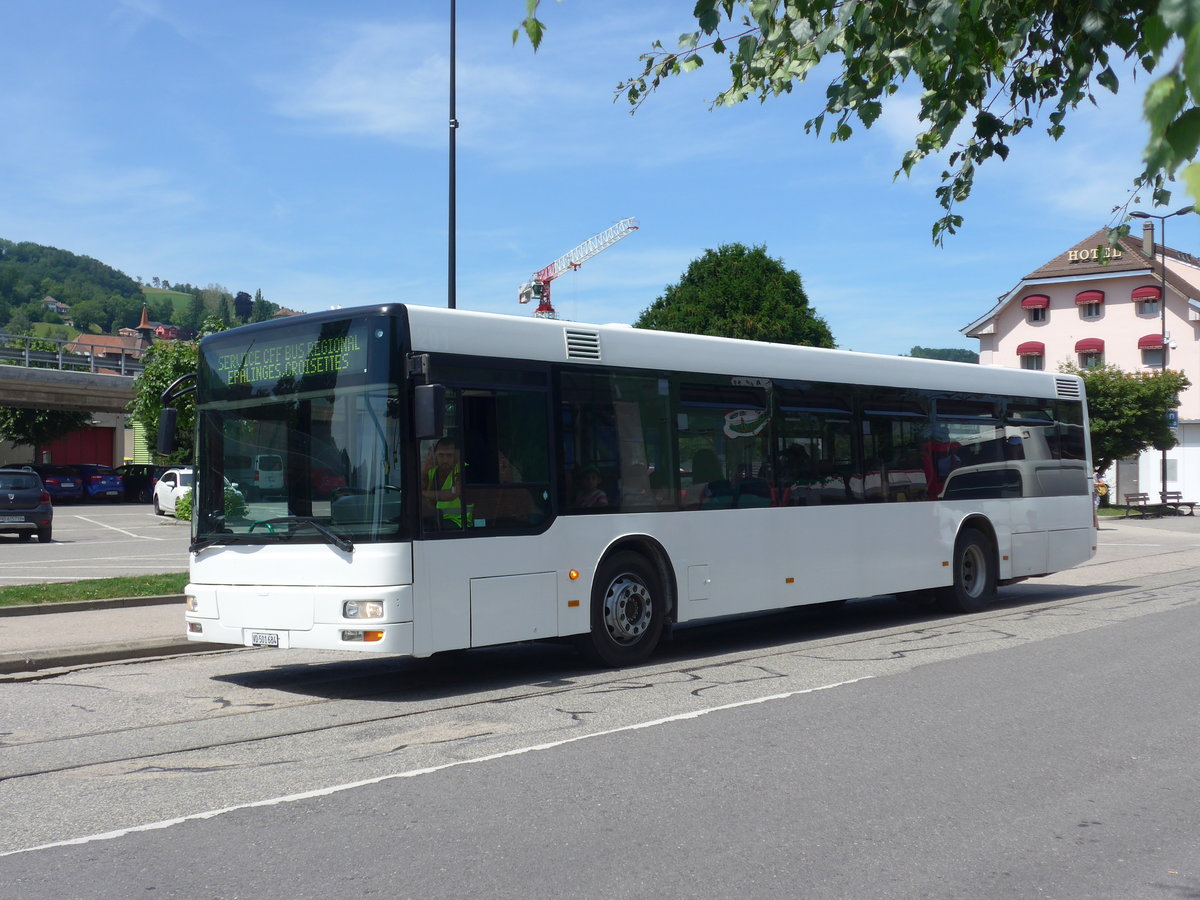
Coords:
95,589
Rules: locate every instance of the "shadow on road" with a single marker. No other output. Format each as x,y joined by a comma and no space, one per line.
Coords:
555,663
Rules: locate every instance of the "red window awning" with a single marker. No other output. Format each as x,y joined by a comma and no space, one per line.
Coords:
1146,292
1089,297
1031,348
1089,345
1150,342
1035,301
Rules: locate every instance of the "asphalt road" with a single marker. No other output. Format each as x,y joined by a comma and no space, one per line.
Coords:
1044,747
98,540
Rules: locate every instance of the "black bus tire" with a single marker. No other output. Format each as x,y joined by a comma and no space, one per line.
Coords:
974,568
629,610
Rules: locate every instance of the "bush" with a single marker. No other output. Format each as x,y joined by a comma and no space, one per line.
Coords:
235,505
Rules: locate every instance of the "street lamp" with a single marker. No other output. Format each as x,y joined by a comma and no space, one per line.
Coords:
1162,305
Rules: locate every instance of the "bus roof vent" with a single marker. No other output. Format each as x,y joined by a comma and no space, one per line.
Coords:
582,344
1068,387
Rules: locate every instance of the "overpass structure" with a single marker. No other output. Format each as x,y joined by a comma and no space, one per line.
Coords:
55,379
64,390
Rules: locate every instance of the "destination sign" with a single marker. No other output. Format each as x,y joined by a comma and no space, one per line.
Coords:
289,357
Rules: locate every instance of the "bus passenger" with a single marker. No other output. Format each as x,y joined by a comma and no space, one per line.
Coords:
591,495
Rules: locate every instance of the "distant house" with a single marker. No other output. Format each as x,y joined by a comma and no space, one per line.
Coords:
109,346
285,313
167,332
56,306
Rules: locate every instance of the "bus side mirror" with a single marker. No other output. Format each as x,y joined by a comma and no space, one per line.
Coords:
429,411
168,440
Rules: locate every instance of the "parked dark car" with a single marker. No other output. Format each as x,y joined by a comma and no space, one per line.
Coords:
140,479
101,482
25,505
65,483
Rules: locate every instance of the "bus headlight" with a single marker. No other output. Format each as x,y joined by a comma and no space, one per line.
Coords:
362,609
193,605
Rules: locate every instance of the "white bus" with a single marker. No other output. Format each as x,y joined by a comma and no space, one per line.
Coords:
455,479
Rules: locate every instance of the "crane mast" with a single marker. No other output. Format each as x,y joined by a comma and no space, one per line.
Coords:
538,287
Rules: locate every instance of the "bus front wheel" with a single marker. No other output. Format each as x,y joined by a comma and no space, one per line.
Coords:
974,574
628,611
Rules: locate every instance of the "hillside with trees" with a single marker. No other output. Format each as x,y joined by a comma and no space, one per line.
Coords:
104,299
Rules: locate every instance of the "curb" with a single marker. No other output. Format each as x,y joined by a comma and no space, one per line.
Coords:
37,609
38,660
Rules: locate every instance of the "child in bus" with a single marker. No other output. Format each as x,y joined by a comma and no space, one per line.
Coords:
591,495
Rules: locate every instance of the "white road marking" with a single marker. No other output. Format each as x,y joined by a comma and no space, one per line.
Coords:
427,770
113,527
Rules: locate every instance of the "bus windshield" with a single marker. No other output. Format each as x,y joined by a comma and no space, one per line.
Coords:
308,451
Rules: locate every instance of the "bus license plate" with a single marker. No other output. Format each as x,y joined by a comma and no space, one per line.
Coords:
264,639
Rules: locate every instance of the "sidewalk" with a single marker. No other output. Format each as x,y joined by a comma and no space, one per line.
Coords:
33,638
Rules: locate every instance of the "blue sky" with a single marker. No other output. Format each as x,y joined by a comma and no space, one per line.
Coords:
300,148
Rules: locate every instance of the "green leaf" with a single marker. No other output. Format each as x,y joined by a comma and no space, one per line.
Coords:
1191,178
1184,134
1164,99
691,63
1191,62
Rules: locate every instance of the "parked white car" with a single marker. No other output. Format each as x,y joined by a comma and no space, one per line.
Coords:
172,485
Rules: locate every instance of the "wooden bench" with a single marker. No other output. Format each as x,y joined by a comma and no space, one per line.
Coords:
1174,500
1140,504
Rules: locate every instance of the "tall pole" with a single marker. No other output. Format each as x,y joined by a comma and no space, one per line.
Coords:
452,250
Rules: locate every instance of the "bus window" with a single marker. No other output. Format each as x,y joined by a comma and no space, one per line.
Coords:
615,442
724,445
815,448
894,429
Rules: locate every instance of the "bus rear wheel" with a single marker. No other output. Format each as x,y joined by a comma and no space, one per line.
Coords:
628,611
974,574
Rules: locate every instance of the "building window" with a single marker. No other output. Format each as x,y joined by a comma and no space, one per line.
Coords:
1089,310
1147,307
1036,314
1033,362
1153,357
1091,360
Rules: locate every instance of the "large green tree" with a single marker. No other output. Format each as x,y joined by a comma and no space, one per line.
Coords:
39,427
987,70
165,362
1127,411
739,292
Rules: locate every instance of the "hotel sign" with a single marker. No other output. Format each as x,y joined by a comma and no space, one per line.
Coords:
1101,253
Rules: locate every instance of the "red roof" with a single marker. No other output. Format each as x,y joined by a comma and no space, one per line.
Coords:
1146,292
1035,301
1089,297
1031,348
1150,342
1089,345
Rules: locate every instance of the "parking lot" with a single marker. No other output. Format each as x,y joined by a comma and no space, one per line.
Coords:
98,540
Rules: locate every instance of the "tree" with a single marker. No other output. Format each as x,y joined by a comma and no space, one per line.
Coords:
165,363
1127,411
39,427
243,305
953,354
987,69
742,293
261,311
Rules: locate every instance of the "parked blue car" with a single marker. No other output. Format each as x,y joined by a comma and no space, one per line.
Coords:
101,482
63,483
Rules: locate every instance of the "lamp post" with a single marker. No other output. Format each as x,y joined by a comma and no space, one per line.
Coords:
452,250
1162,306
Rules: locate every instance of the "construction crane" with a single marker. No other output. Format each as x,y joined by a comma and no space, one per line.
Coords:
538,287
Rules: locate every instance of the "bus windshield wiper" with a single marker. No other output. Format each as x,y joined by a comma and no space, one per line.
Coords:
332,537
215,539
